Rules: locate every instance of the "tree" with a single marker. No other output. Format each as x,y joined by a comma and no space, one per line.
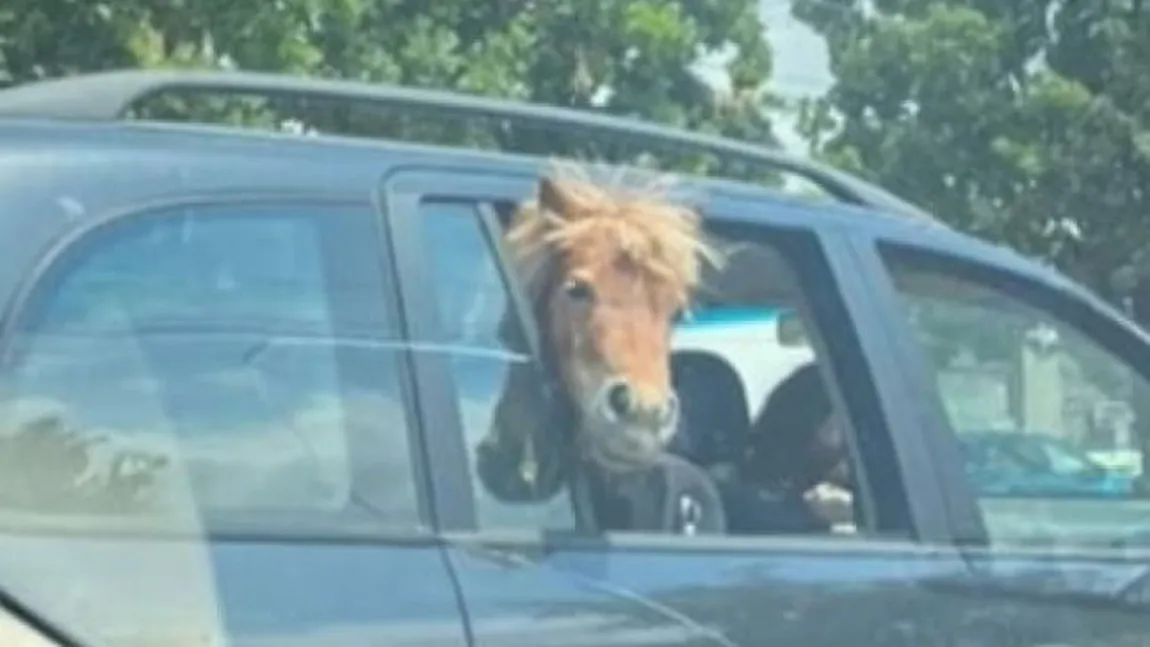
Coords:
46,467
1025,122
627,57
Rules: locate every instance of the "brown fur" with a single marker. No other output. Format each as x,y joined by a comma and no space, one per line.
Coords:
636,252
606,266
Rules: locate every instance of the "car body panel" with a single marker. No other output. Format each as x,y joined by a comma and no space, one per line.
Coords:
247,593
632,591
274,581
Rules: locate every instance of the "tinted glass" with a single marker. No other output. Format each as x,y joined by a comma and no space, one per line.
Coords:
472,299
1034,399
242,356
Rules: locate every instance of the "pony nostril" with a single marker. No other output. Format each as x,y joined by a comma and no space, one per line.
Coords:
619,400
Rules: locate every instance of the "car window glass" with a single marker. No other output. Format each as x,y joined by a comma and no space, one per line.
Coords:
1062,460
472,299
230,358
1024,383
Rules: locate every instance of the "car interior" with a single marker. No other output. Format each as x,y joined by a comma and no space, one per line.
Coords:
752,396
760,442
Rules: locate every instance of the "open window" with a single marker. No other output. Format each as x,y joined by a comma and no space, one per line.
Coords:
759,360
752,343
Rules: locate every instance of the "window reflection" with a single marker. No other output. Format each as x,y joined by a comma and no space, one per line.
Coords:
472,299
204,356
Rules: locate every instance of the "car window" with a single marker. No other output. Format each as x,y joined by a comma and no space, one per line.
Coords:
762,419
229,358
472,299
1042,380
753,342
1056,458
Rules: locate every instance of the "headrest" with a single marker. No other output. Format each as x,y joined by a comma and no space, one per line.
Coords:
714,422
783,442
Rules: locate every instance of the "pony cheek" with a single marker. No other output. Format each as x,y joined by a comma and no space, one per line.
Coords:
574,362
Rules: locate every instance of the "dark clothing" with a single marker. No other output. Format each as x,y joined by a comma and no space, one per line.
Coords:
785,444
788,455
754,509
674,496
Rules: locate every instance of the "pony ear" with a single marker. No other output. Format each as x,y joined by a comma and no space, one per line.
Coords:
559,200
552,197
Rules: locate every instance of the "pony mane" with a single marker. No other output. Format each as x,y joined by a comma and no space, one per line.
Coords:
657,233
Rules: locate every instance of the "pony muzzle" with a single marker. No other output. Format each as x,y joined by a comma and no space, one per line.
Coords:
620,404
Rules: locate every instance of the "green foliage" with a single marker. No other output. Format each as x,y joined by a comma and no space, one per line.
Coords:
625,57
47,468
1026,122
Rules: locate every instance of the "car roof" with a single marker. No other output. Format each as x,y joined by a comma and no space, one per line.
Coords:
130,162
110,96
75,131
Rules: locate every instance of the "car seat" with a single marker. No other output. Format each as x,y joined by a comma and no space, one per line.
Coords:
714,423
716,434
782,438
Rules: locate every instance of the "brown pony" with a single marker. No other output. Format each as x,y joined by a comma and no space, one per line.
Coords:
606,270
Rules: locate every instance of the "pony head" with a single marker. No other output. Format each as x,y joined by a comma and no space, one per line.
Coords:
608,271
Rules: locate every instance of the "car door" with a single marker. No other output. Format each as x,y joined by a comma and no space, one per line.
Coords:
539,572
208,434
997,351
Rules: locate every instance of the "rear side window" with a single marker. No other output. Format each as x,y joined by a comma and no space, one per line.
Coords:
1049,412
223,358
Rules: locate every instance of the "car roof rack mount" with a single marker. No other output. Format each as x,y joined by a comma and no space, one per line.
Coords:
108,96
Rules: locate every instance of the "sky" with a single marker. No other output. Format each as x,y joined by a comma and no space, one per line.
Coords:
801,64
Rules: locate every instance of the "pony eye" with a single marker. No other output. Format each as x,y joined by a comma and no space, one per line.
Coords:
578,290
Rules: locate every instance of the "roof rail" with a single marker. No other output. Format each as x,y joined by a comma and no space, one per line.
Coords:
108,96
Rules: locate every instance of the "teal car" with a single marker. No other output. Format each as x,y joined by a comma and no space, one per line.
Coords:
1037,464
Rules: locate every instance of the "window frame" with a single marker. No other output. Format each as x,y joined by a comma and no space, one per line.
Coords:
346,524
921,505
407,186
403,188
489,227
823,268
1046,292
